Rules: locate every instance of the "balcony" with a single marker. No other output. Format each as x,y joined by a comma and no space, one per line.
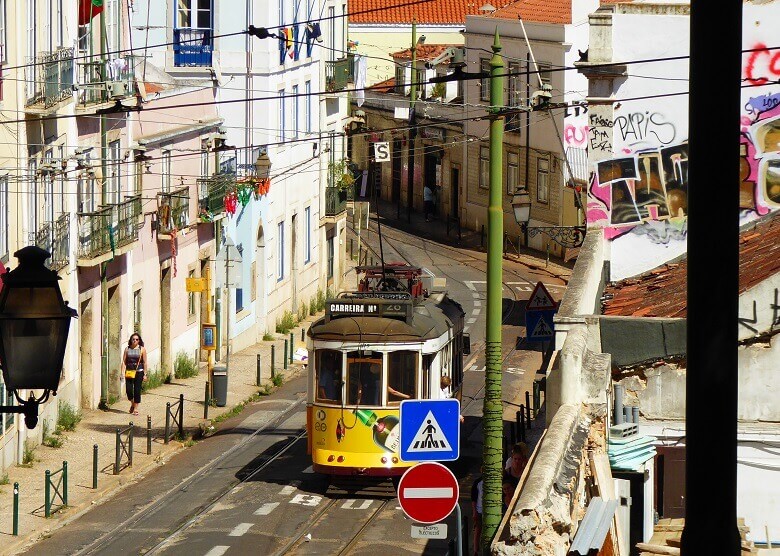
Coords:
43,238
173,212
104,81
339,73
192,47
48,78
211,195
60,252
335,202
109,231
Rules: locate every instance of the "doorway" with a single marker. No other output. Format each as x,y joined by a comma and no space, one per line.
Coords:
165,320
455,193
260,311
85,354
113,334
397,166
432,176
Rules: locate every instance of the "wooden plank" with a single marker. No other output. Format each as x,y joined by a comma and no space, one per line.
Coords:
658,549
599,464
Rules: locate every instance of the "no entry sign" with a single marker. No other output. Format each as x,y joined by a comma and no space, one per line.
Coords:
428,492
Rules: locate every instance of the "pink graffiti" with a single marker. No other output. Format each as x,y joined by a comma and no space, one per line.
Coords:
576,136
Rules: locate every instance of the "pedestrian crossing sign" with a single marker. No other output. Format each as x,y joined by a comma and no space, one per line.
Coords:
539,325
430,430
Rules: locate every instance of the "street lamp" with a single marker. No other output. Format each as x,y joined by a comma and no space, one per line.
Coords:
565,236
34,325
263,166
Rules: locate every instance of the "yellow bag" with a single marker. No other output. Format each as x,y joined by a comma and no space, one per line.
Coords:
130,374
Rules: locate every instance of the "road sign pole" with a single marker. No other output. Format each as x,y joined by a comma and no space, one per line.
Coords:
459,531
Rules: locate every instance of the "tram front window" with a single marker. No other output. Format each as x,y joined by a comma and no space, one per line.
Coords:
364,378
401,376
328,364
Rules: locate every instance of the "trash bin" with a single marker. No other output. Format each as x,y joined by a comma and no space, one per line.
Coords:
219,374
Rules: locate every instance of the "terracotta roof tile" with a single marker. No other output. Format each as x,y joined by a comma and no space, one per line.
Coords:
662,292
432,12
424,51
542,11
386,86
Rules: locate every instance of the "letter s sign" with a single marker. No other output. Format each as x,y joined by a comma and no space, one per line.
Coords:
382,152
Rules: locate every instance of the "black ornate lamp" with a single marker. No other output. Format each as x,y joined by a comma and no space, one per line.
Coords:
34,325
565,236
263,166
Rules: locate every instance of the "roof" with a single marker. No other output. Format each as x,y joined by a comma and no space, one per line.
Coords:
540,11
432,12
662,292
424,52
386,86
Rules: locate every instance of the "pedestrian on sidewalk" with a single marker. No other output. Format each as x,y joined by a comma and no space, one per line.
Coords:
428,202
132,371
515,463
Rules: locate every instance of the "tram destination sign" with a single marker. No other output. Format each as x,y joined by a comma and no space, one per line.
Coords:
388,308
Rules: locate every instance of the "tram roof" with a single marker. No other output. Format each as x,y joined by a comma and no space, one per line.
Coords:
429,320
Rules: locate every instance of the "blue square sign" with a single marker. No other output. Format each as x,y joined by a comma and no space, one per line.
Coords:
430,430
539,325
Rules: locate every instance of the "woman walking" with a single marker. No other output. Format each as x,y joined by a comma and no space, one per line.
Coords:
133,367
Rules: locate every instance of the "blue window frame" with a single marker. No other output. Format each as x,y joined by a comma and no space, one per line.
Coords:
295,122
239,300
280,252
193,33
307,235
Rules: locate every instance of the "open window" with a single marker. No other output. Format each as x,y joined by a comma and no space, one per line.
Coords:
328,364
364,378
401,376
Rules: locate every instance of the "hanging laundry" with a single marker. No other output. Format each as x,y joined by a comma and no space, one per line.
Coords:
361,67
89,9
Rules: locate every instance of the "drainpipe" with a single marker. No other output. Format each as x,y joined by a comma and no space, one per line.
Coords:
527,137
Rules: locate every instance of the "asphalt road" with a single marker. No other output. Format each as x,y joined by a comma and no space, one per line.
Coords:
249,489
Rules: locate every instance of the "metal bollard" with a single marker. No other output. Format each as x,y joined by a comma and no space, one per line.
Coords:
258,378
303,334
537,397
167,421
292,346
181,416
207,400
130,440
16,509
47,495
273,360
522,423
284,357
149,433
118,454
94,466
64,483
528,408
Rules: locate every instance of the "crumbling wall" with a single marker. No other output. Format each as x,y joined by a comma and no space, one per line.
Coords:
551,503
658,389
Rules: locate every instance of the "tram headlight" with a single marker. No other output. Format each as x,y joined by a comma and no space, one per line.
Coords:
383,460
340,459
331,458
395,459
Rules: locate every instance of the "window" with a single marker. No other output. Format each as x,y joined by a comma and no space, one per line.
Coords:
239,300
60,22
63,203
192,40
47,26
113,27
6,398
31,50
328,365
364,378
307,235
484,167
332,32
137,311
191,297
204,159
3,217
193,13
295,101
282,109
2,33
114,182
86,190
166,171
282,22
513,97
484,82
542,179
307,106
32,202
512,173
330,258
401,376
545,72
400,72
253,282
280,252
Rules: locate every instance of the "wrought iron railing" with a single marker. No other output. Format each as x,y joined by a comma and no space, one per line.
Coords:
339,73
43,238
60,245
94,235
109,228
335,201
49,78
173,210
103,80
211,193
192,47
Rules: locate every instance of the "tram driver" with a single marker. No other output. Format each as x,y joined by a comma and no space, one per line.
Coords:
329,375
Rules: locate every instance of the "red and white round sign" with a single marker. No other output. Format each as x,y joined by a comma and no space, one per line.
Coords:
428,492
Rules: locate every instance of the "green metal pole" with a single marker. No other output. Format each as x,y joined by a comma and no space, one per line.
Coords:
47,495
492,413
64,483
292,346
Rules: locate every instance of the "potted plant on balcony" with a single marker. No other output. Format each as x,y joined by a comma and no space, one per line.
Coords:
341,177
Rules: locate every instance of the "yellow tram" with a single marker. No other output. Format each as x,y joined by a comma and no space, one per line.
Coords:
387,342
